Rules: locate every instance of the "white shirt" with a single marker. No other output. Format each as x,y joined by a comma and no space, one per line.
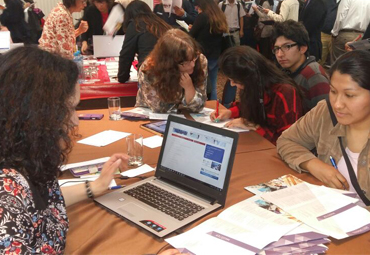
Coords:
352,14
231,13
289,10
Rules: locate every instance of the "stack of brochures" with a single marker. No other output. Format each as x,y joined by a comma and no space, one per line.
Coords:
286,216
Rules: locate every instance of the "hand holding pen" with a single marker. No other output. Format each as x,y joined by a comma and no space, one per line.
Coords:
334,164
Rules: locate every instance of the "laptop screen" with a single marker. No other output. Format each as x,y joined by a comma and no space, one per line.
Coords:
198,154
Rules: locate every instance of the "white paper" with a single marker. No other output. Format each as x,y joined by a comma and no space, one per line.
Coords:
140,110
4,40
138,171
104,138
84,163
323,209
204,117
163,116
114,20
243,228
153,142
183,24
76,181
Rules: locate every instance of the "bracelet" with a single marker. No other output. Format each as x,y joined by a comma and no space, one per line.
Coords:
88,190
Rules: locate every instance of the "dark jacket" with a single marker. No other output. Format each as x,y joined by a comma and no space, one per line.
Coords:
13,19
312,17
141,42
211,43
93,17
171,19
331,15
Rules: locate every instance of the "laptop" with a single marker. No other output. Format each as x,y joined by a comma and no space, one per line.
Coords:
107,46
190,181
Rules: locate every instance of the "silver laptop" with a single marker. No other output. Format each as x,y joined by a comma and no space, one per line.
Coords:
107,46
191,179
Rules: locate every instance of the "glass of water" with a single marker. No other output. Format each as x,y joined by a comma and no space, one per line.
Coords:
114,107
134,143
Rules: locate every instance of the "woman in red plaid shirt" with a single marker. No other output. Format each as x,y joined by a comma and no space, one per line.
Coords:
270,101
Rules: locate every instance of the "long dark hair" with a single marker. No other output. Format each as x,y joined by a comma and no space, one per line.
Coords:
172,49
356,64
36,88
139,12
246,66
217,19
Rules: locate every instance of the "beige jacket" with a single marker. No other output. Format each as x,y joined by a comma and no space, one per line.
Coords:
289,10
315,129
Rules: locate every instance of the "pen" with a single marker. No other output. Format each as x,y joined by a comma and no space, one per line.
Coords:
217,110
117,187
333,162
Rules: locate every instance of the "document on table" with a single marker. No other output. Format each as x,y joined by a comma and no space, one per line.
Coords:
204,117
138,171
244,228
84,163
323,209
104,138
163,116
153,142
75,181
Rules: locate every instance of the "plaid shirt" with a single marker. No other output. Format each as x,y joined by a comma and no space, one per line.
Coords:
282,109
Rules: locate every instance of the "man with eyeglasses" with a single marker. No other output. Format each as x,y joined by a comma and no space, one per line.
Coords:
291,42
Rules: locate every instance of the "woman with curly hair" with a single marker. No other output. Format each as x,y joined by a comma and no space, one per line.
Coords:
208,28
143,28
174,75
270,101
96,15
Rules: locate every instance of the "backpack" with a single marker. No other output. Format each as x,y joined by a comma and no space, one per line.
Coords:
223,7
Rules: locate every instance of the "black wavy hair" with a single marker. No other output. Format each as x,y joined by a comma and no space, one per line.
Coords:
36,88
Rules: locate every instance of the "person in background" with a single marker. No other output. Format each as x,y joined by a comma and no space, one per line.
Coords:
174,75
35,19
59,34
186,13
37,135
249,23
13,19
143,28
289,9
349,99
264,42
96,15
208,28
269,103
234,13
353,16
291,44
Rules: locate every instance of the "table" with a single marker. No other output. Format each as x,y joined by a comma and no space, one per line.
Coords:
93,230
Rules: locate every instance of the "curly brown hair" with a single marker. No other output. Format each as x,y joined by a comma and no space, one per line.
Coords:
173,48
36,88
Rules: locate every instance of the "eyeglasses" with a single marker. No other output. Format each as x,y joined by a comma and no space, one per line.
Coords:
283,48
188,62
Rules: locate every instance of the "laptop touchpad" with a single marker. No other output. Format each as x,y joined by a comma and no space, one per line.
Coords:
131,209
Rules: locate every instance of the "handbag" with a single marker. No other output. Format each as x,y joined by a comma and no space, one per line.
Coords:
351,172
227,42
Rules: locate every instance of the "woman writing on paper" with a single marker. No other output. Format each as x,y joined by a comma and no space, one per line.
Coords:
270,102
143,28
349,98
208,28
37,128
174,75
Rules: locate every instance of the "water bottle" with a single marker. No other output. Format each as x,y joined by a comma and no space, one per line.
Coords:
78,59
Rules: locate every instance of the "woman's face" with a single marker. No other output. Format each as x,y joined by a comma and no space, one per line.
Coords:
79,6
350,102
75,100
237,84
101,6
188,66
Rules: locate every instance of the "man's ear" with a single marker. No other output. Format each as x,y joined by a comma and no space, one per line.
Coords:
303,49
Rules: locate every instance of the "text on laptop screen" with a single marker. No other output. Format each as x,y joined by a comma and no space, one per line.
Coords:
198,154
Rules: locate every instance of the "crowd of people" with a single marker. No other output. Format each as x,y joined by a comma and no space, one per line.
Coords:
304,92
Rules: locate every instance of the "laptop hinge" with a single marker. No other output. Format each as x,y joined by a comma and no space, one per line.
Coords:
214,202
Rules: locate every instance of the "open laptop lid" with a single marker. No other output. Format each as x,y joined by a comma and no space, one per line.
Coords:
107,46
198,157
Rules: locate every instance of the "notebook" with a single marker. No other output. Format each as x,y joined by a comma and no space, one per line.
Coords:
190,181
107,46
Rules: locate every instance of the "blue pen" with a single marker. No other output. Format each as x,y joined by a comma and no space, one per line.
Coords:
333,162
117,187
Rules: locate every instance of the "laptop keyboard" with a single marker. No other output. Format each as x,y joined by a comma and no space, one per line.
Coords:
165,201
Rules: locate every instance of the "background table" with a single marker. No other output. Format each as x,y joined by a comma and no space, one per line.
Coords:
93,230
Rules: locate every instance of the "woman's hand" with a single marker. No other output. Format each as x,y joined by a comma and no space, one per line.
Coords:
223,115
117,161
241,123
330,176
84,47
187,84
84,26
